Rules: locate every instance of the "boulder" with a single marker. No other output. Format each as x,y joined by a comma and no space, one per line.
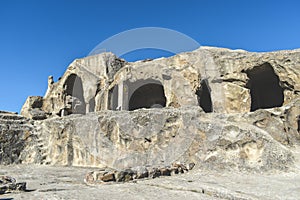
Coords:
8,184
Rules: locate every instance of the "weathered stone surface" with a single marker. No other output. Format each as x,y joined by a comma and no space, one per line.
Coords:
160,137
33,108
15,131
139,172
220,115
105,82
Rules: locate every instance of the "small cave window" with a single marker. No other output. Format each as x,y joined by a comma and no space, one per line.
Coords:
74,95
92,104
150,95
264,87
204,97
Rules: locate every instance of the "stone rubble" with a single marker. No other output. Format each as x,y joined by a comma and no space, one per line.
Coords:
9,184
132,174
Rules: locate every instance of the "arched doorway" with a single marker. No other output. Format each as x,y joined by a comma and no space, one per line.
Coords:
264,87
150,95
74,95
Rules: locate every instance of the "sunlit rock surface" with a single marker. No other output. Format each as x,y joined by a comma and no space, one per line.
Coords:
222,110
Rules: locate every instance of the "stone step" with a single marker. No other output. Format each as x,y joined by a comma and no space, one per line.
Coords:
4,121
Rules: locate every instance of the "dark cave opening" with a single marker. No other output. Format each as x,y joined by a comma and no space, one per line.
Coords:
148,96
298,122
74,90
264,87
204,97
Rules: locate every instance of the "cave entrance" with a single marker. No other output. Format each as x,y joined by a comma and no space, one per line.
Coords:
149,95
74,95
204,97
264,87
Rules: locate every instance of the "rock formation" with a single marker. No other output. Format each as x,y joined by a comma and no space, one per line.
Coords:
219,80
217,108
103,176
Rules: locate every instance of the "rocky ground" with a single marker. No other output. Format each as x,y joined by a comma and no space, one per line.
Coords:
56,182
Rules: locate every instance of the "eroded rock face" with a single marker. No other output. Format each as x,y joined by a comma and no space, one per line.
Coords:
159,137
84,119
32,108
236,81
15,131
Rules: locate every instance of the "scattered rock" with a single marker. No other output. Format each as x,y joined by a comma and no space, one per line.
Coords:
9,184
154,173
89,178
165,172
125,175
191,166
109,176
140,172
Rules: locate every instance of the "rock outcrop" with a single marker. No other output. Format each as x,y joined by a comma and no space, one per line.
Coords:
218,108
132,174
33,107
253,141
216,79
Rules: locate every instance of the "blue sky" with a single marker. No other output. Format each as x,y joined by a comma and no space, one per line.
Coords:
40,38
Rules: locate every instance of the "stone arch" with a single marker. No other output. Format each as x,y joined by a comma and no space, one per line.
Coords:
264,87
73,90
149,95
204,97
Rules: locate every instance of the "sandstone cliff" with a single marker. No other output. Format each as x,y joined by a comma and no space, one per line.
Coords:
218,108
216,79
